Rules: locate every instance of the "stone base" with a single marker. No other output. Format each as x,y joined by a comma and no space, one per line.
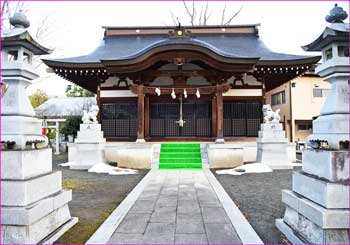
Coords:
34,233
322,217
32,213
220,141
53,237
87,155
31,190
224,156
90,133
26,163
289,232
275,155
130,155
312,232
20,125
326,194
331,165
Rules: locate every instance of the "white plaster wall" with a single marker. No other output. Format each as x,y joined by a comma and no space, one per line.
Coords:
116,93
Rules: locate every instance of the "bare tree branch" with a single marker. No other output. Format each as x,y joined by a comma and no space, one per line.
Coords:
223,15
189,13
200,17
174,18
205,18
193,12
233,16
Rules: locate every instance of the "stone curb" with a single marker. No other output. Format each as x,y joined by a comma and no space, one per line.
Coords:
244,230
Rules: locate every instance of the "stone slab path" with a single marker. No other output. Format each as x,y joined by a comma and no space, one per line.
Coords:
176,207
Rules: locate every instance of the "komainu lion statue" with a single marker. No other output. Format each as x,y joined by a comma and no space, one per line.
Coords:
90,116
271,116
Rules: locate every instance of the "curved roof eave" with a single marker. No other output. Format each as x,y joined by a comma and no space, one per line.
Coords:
21,35
238,47
329,34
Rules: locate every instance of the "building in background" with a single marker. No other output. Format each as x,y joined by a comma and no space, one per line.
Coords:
300,100
182,83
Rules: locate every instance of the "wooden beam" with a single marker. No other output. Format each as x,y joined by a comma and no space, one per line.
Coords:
219,109
140,113
178,90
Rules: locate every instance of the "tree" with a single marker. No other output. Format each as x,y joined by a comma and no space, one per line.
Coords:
202,18
8,9
38,98
76,91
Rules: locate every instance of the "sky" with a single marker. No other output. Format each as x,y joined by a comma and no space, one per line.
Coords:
76,27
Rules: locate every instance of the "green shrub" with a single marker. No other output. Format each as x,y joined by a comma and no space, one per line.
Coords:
71,126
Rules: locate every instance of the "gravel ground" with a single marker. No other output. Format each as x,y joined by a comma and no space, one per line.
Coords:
95,196
258,196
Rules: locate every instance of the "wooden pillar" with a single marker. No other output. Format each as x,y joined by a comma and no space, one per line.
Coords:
147,113
140,114
220,119
98,102
214,117
263,92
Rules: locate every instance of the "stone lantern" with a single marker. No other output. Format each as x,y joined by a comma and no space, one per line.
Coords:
317,209
34,207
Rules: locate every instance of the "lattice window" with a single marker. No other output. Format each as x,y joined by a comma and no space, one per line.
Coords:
118,119
241,118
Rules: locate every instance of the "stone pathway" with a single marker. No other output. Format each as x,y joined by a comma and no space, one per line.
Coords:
178,207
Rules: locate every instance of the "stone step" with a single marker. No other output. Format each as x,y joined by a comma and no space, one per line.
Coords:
324,218
312,232
18,234
34,212
326,194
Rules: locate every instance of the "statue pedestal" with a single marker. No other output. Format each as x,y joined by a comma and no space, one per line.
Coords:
33,202
89,146
317,209
272,146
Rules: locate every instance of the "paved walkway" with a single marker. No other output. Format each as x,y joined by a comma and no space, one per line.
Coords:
176,207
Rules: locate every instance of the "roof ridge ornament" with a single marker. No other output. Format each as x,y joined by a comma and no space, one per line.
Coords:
179,32
19,20
336,15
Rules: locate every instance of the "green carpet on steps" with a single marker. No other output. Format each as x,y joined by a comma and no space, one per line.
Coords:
180,156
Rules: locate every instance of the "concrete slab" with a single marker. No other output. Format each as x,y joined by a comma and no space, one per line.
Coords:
221,234
122,238
134,223
143,206
163,217
214,215
159,233
191,239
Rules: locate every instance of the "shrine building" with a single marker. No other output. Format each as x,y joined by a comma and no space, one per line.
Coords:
204,83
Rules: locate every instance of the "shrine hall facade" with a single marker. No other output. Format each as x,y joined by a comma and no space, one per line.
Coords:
181,84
